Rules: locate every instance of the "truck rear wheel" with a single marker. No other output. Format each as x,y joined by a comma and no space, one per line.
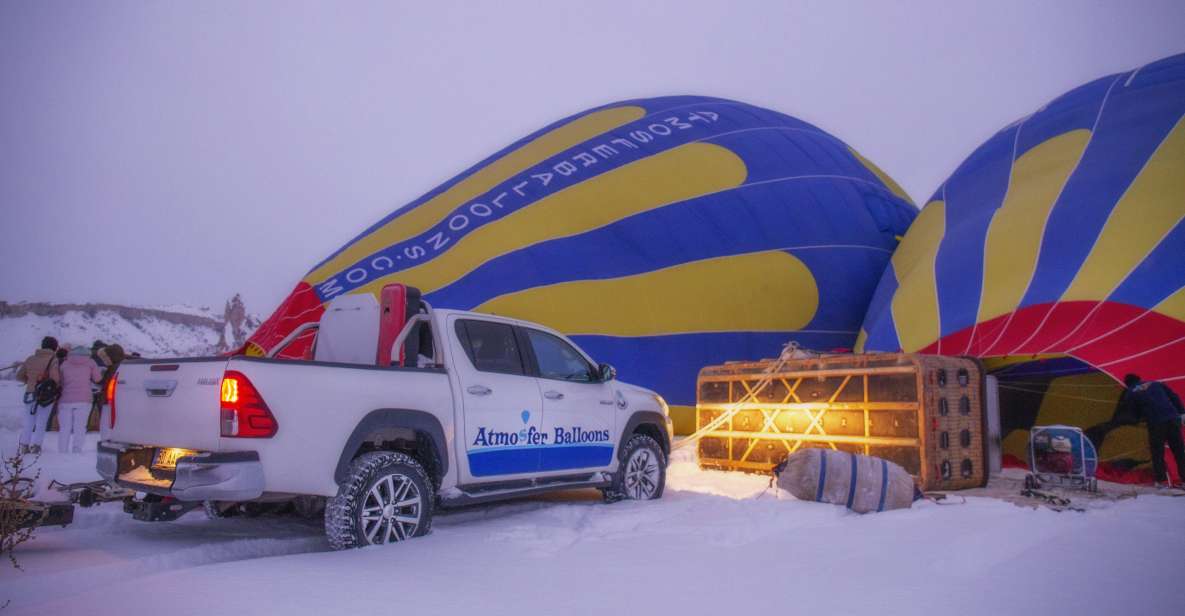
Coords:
386,498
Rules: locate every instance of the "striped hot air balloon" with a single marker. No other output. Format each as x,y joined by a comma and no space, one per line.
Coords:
1060,241
663,234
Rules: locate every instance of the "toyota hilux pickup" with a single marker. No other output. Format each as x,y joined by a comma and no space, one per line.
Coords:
458,408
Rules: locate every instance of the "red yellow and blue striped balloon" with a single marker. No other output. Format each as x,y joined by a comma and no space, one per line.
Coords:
662,234
1062,235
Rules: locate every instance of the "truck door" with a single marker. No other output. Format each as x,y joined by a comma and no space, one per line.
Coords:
578,409
501,403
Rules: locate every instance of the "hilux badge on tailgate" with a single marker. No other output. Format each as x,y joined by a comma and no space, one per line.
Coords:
206,380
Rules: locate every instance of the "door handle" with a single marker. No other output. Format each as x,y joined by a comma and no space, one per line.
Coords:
553,395
607,402
479,390
160,388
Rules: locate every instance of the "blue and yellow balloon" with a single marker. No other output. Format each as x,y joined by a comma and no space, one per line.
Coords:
662,234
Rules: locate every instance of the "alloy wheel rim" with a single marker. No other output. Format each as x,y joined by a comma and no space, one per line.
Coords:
641,475
392,510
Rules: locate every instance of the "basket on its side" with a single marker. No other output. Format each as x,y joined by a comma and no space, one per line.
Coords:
922,412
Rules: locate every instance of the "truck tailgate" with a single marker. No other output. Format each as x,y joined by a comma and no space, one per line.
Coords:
169,403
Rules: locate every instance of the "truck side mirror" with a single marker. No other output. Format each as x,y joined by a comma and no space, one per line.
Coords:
606,373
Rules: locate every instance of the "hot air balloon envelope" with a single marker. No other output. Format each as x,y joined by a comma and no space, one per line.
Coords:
662,234
1056,251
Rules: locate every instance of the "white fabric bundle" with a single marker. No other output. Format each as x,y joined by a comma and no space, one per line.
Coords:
860,483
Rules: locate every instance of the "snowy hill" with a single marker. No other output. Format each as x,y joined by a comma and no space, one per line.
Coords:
155,331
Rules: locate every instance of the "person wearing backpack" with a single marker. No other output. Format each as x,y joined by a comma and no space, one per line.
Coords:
80,375
42,376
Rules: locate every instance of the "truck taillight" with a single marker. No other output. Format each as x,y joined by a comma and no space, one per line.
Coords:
111,397
244,414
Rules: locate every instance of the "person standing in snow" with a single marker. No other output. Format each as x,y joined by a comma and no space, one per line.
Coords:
42,364
80,374
110,356
1160,406
100,397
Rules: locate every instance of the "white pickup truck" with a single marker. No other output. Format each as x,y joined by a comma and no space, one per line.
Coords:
473,408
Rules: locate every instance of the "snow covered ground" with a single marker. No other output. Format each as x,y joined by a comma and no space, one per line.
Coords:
717,543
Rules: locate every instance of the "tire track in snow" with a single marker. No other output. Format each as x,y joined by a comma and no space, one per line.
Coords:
166,546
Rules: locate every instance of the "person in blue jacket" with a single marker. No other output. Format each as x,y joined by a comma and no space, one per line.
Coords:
1161,408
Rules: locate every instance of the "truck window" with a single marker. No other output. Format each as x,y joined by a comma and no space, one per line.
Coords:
427,350
418,348
558,360
490,346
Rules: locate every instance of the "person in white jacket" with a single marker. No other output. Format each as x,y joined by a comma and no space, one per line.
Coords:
80,374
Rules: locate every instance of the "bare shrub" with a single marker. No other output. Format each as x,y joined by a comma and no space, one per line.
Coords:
16,507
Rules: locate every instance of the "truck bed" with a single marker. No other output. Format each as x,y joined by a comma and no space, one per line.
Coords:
176,403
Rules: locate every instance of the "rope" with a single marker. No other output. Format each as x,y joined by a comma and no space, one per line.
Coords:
1048,393
1052,384
1126,454
789,351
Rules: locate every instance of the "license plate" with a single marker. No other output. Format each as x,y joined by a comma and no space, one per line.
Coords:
167,457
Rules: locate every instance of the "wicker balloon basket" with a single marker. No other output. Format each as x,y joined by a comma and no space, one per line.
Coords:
923,412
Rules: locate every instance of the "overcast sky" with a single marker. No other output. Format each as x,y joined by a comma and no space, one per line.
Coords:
172,152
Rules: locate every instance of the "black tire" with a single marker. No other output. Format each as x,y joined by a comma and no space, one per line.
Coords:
642,474
361,492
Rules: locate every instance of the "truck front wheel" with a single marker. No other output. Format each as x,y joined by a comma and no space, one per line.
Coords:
642,474
386,498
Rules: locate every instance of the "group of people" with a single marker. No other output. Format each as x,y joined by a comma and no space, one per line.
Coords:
66,382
